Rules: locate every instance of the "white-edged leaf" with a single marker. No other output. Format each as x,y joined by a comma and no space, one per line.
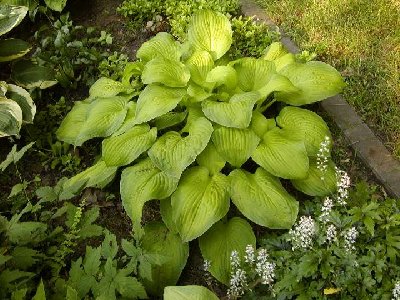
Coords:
262,199
30,75
11,49
24,100
11,16
199,201
10,117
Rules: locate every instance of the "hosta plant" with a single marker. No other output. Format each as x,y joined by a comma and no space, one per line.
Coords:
197,136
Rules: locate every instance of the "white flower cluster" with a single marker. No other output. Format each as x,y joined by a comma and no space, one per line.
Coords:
206,265
396,291
322,156
238,280
343,184
303,233
264,268
350,237
331,234
326,210
249,256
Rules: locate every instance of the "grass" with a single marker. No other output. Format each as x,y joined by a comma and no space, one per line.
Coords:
361,38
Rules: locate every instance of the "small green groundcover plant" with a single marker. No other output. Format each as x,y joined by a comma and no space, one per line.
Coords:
197,137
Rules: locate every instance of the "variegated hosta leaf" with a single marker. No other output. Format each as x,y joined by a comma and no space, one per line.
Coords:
158,240
262,199
106,87
217,244
24,100
157,100
235,113
162,45
318,182
199,64
98,175
281,155
211,159
305,125
260,124
173,153
188,292
141,183
29,75
235,145
72,124
166,71
223,75
199,201
210,31
11,16
11,49
123,149
316,81
169,119
10,117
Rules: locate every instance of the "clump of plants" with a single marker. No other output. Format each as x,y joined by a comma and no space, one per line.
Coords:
204,132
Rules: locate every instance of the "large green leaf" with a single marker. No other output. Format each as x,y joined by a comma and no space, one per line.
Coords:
162,45
125,148
104,117
10,117
260,124
199,201
305,125
24,100
141,183
57,5
173,153
98,175
199,64
30,75
316,80
223,75
235,145
169,119
157,100
188,292
235,113
262,199
318,182
281,155
11,16
106,87
72,124
166,71
11,49
211,159
210,31
130,119
157,240
217,244
274,51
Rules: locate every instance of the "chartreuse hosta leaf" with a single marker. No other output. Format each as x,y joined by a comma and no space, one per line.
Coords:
274,51
262,199
24,100
199,64
235,113
173,153
305,125
211,159
223,75
156,100
130,119
11,49
210,31
200,200
260,124
281,155
11,16
125,148
316,81
98,175
105,87
166,71
158,240
169,119
318,182
30,75
188,292
141,183
217,244
235,145
10,117
162,45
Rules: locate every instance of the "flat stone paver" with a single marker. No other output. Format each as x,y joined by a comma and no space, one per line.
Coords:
360,137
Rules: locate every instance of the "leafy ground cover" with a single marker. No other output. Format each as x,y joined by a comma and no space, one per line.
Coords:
362,41
60,240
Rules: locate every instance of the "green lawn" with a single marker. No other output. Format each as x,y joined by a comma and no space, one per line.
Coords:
361,38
